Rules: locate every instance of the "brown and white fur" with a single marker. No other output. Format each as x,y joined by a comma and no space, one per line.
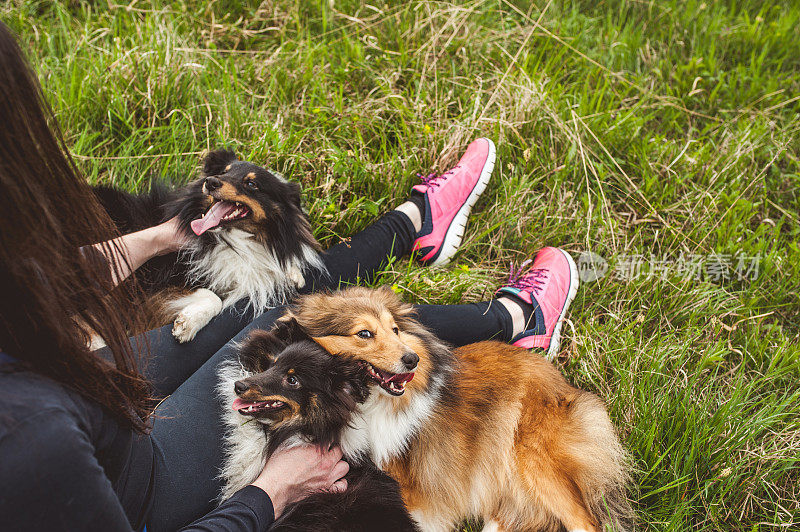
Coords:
486,431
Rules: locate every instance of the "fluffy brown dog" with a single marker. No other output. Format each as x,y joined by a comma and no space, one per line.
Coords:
487,431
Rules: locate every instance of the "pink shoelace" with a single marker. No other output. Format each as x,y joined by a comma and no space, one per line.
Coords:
433,179
532,280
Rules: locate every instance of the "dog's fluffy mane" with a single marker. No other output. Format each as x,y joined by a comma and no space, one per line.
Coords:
245,442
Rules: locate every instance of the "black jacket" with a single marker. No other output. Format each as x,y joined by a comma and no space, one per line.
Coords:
66,464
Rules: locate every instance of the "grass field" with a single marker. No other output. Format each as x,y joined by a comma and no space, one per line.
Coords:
660,132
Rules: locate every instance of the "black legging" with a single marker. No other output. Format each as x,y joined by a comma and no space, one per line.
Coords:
187,432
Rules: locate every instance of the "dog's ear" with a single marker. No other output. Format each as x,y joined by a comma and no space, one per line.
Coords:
289,331
293,191
260,350
350,381
216,161
392,301
357,389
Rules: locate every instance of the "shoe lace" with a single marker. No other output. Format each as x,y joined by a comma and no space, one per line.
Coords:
433,179
532,279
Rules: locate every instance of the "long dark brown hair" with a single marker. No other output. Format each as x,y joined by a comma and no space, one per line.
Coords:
50,289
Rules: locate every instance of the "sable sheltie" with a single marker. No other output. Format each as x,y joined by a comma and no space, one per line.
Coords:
250,240
486,431
286,389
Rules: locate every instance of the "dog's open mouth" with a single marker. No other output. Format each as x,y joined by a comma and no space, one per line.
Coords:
251,408
394,383
219,212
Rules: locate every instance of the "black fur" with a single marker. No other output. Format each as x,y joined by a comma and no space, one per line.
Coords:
371,503
328,393
285,228
329,389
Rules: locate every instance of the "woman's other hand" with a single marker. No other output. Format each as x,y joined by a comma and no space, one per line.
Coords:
292,474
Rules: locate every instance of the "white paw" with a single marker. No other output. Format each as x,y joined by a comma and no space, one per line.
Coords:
200,308
185,328
296,276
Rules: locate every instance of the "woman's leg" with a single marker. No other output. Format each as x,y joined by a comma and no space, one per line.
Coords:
170,363
466,324
361,255
167,363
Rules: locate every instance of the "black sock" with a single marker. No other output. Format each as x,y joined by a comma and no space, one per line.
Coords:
528,316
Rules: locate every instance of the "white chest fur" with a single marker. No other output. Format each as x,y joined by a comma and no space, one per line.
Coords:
240,267
380,431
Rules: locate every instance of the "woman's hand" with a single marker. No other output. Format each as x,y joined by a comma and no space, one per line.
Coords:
294,473
170,237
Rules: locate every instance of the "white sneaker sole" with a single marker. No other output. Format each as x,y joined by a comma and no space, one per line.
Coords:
555,338
455,233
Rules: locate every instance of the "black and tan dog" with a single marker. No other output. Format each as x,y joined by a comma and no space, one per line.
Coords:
285,389
486,431
249,240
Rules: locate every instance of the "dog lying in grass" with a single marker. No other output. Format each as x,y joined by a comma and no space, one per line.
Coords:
250,240
285,390
486,431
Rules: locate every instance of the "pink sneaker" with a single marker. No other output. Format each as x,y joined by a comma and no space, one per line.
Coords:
549,286
448,201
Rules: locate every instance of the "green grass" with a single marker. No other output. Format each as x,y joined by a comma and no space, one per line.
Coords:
665,128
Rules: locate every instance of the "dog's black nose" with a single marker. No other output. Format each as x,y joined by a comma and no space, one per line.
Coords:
410,360
241,387
212,183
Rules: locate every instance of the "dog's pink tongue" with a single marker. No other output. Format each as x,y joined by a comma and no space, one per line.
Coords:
238,404
213,217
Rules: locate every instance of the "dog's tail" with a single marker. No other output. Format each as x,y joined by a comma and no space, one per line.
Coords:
602,465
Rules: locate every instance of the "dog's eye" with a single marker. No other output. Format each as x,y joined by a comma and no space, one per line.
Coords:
251,184
291,380
396,330
365,334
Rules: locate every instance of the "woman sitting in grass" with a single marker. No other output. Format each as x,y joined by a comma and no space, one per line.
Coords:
131,437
